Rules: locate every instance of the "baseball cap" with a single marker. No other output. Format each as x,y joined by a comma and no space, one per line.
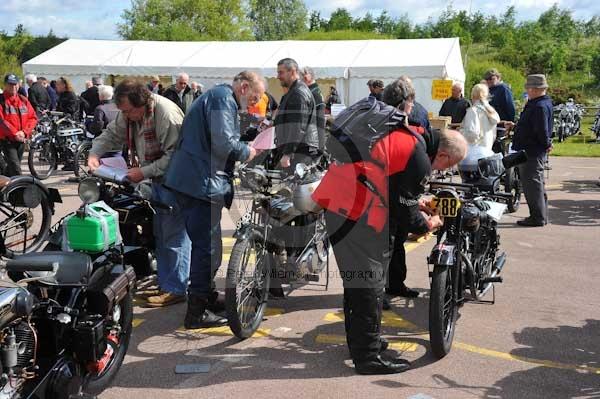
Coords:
11,79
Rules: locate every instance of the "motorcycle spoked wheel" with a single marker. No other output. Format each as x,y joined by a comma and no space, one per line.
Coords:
96,383
25,229
247,285
512,185
443,311
42,160
81,157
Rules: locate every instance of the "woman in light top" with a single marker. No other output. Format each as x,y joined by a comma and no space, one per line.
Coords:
479,125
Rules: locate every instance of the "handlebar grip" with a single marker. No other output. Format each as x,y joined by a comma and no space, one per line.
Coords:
31,265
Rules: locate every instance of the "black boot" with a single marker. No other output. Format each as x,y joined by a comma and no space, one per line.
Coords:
378,365
214,304
198,316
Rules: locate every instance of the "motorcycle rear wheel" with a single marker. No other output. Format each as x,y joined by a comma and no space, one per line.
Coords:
443,311
247,285
512,186
42,160
95,384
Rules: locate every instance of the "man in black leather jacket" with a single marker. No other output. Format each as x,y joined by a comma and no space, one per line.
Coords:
296,132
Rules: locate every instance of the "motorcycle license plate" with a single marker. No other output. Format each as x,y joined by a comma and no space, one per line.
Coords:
446,207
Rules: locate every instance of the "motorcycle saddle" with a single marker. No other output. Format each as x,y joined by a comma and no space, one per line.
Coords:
4,180
74,269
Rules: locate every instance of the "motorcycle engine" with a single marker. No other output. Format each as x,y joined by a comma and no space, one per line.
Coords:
17,350
70,138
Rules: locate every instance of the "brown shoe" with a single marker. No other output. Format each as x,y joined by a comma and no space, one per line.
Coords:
164,299
145,294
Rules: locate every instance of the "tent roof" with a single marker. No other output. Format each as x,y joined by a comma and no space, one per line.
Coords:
330,59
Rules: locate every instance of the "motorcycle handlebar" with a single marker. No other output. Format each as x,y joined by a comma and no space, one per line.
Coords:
30,265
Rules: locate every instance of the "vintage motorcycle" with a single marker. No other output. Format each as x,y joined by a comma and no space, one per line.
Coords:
66,322
466,261
136,213
567,120
596,126
282,237
55,142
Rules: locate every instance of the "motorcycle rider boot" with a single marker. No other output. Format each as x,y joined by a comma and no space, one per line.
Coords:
198,316
379,365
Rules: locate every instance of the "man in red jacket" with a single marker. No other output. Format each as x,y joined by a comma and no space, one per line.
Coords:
17,121
361,216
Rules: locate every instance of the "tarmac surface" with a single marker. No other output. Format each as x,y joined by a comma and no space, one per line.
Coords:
541,339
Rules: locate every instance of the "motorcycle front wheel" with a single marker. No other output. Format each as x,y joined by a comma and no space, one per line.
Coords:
443,311
81,157
247,285
27,214
97,382
512,186
42,160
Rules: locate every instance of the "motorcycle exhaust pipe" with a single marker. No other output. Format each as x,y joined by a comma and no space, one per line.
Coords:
499,264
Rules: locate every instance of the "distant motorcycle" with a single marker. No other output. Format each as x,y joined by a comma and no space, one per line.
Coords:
55,141
596,126
567,120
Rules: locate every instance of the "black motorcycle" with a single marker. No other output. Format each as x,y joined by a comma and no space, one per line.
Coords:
56,140
466,259
66,322
596,126
136,214
282,238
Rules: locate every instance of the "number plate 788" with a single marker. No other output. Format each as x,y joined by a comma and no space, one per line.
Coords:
446,207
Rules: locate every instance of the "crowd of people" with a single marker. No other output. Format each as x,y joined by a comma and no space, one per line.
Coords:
186,143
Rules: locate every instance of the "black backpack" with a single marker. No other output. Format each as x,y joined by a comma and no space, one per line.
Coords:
359,126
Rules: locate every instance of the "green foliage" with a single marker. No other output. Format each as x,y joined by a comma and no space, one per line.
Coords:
340,19
341,35
185,20
12,49
595,66
277,19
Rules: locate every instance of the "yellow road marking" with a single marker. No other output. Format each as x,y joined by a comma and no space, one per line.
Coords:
388,319
274,312
225,331
508,356
335,339
553,186
136,322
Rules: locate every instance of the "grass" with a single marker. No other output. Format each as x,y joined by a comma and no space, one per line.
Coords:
581,145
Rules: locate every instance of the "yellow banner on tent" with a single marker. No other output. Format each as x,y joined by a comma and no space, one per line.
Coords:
441,89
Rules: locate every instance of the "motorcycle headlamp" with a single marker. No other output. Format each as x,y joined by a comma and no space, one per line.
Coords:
89,190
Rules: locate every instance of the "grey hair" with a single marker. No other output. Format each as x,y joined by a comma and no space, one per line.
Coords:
183,75
458,84
398,92
105,92
454,144
288,63
308,71
31,76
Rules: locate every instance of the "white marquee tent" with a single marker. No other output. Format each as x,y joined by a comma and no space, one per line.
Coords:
348,64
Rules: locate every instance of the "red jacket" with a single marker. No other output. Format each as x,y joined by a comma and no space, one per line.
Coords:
16,114
342,192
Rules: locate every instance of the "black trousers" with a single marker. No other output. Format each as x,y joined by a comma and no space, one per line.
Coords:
12,152
360,253
397,268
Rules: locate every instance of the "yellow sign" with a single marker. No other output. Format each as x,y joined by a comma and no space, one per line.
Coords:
441,89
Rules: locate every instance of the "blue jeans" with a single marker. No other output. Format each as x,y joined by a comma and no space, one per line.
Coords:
203,225
173,246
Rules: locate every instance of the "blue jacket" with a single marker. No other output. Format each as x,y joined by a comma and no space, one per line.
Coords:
534,128
202,165
419,115
53,97
502,101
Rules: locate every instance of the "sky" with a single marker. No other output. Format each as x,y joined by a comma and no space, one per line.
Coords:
93,19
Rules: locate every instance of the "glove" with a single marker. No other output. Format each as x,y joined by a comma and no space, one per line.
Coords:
481,205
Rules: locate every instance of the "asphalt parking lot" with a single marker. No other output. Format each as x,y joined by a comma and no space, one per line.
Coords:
541,339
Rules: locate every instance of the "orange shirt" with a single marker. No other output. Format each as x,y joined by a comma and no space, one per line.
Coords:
260,108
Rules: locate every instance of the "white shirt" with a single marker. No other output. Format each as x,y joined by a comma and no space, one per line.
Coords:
478,127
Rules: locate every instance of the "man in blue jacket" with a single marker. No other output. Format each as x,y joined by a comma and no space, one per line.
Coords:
200,175
532,134
501,95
